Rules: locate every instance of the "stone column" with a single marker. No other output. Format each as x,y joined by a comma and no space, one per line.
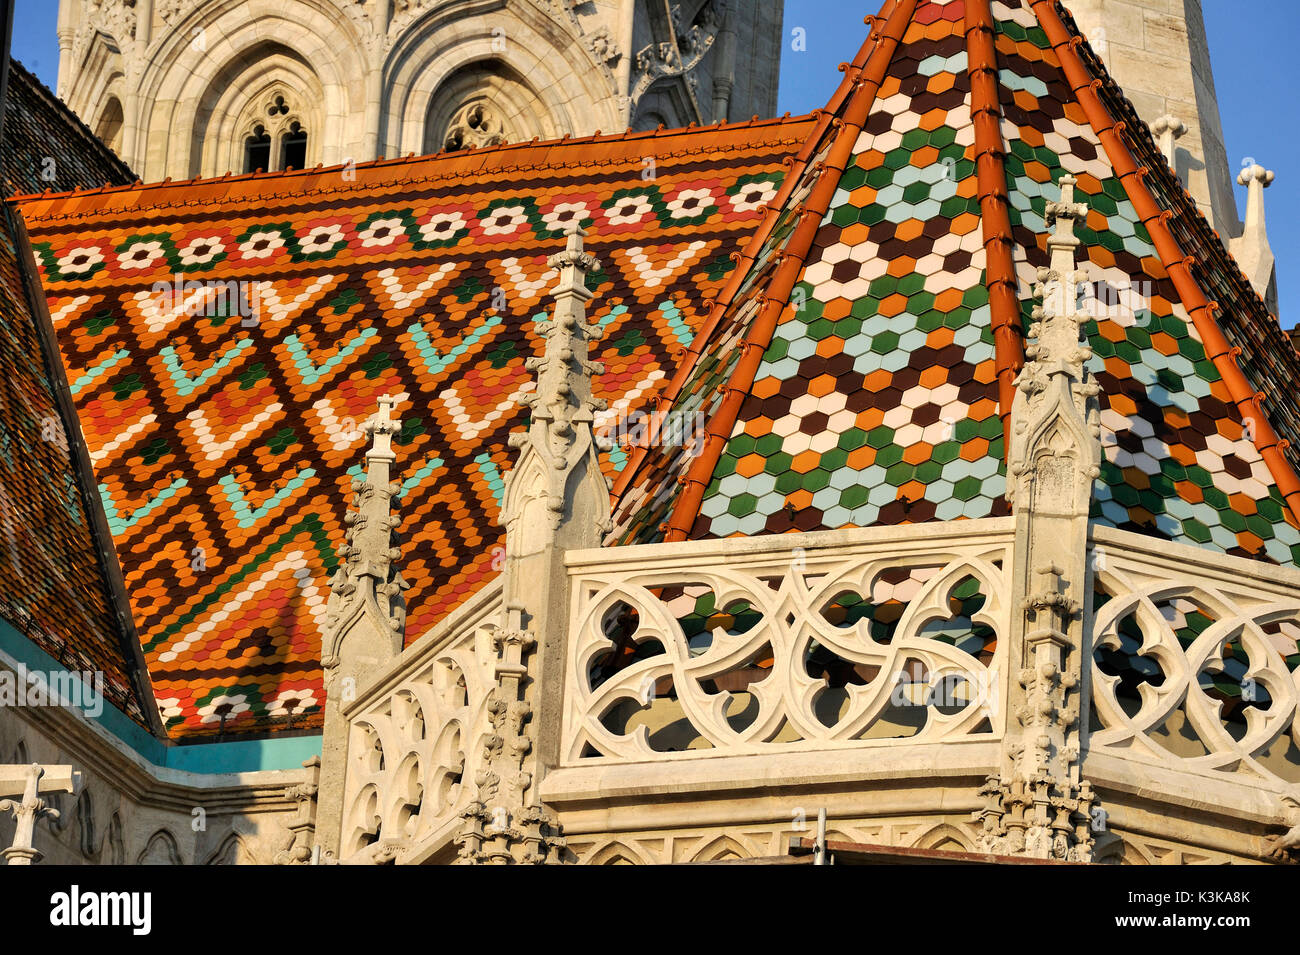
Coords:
27,783
134,57
69,16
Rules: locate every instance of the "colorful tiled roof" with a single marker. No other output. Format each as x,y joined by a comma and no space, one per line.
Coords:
57,590
858,368
222,442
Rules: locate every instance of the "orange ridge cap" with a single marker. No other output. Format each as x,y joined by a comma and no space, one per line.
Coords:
994,200
856,111
1199,307
825,120
480,156
38,209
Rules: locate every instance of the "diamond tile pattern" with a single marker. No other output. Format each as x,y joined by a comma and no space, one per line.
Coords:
876,402
223,441
1178,459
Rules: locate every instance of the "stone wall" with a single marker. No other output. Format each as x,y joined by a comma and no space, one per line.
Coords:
179,86
130,812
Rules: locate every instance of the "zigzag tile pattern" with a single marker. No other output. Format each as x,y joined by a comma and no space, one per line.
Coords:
223,435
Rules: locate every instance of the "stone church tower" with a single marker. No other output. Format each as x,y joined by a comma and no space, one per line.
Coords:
1159,53
185,88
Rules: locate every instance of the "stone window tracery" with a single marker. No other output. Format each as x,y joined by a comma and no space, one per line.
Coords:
484,104
276,138
475,124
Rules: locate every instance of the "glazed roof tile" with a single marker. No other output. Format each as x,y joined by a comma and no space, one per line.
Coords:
59,592
882,306
223,442
827,312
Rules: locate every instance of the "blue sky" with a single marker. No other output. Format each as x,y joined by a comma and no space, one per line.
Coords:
1253,68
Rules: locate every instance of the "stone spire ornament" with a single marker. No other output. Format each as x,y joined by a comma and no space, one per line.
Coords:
556,486
1055,448
556,499
365,620
1168,129
1251,248
1038,805
367,580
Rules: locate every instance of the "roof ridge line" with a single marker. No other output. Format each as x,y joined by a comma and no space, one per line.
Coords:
75,121
995,200
857,109
288,175
744,261
1177,264
690,356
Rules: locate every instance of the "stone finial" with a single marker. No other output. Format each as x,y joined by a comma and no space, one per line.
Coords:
1056,321
368,577
560,439
1255,173
26,783
1251,248
1055,403
1063,215
1168,129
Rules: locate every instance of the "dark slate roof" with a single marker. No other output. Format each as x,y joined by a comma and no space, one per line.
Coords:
56,577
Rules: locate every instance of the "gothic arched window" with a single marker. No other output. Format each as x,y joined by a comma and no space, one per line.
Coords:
257,150
277,139
109,127
293,147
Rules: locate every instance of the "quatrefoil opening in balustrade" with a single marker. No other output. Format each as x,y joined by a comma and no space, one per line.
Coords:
700,622
1193,677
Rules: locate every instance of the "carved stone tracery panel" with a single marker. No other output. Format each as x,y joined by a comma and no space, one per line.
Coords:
412,756
1195,675
790,654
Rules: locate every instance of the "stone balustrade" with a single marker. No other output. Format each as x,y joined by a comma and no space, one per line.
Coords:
760,677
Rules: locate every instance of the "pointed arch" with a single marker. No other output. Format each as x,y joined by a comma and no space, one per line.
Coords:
568,88
724,848
233,850
217,45
161,849
614,852
109,126
947,837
